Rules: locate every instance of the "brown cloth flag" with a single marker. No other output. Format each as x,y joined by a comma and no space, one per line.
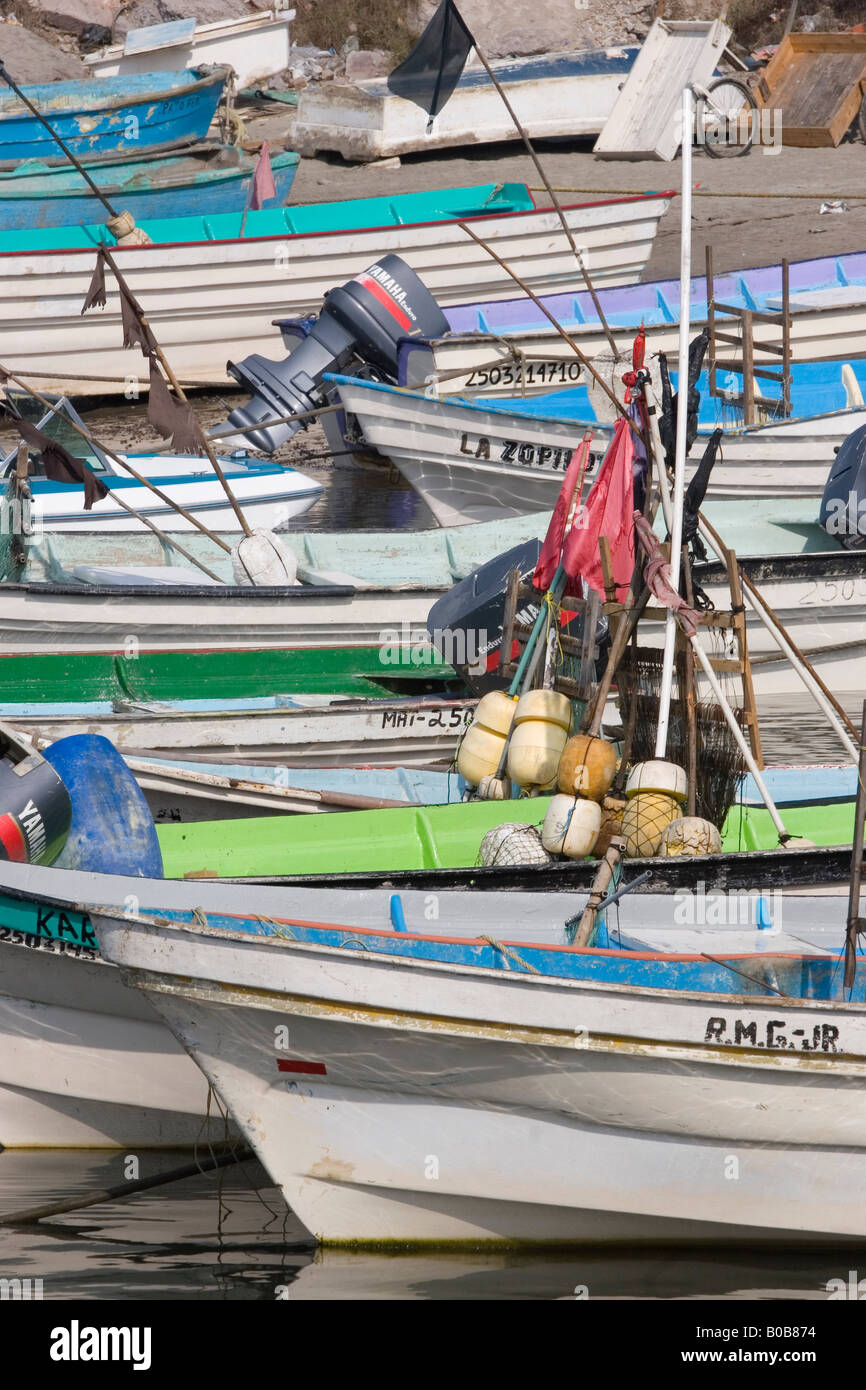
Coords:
135,333
96,294
60,465
172,418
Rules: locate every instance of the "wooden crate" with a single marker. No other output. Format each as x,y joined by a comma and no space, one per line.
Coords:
817,81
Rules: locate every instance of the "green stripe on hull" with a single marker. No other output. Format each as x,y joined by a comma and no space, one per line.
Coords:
86,676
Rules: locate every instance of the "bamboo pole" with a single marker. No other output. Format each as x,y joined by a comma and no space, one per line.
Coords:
553,198
139,478
164,363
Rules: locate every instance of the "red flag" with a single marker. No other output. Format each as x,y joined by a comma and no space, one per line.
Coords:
608,512
569,493
263,186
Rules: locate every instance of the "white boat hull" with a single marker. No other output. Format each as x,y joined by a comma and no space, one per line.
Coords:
266,499
558,94
255,46
381,733
68,619
433,1102
470,464
83,1065
214,301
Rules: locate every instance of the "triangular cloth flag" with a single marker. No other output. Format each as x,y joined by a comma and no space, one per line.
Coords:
569,495
608,512
60,466
432,69
171,418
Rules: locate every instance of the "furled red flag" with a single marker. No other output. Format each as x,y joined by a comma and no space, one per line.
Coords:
569,493
433,67
263,186
608,512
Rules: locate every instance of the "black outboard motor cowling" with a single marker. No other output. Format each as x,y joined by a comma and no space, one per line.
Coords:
843,506
367,319
35,809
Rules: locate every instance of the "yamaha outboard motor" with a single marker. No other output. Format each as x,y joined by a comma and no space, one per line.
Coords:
363,322
465,625
843,506
35,810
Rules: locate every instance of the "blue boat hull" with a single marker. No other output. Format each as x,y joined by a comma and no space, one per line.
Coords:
132,113
170,187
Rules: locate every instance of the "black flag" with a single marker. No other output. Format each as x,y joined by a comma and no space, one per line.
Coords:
432,70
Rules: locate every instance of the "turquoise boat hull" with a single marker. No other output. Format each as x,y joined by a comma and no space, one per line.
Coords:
132,113
211,180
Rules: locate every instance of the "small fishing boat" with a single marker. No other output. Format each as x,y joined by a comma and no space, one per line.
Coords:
57,985
281,732
212,295
255,46
480,459
376,847
190,791
263,489
208,179
509,346
636,1071
380,605
553,94
133,113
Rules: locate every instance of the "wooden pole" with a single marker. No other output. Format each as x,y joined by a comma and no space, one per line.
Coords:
212,458
856,923
553,198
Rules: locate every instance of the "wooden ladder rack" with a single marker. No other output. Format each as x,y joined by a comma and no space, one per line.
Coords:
748,399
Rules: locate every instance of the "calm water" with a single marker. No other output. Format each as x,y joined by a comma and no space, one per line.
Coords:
229,1236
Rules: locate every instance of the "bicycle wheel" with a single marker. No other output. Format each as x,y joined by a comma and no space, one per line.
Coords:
726,118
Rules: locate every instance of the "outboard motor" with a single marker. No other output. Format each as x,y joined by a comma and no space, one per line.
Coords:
843,506
35,809
364,321
465,624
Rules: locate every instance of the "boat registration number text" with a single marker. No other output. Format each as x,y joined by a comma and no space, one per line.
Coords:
433,719
775,1033
546,372
50,943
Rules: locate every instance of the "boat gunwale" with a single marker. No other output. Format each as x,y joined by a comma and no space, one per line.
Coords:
219,73
155,926
345,231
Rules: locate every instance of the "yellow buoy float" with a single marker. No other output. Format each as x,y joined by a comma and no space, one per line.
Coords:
541,725
644,820
481,747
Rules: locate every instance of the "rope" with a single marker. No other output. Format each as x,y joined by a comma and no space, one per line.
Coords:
512,955
701,193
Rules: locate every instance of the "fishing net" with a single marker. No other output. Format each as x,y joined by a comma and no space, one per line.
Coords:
720,764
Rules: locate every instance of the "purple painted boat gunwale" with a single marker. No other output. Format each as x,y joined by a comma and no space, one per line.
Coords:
656,302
